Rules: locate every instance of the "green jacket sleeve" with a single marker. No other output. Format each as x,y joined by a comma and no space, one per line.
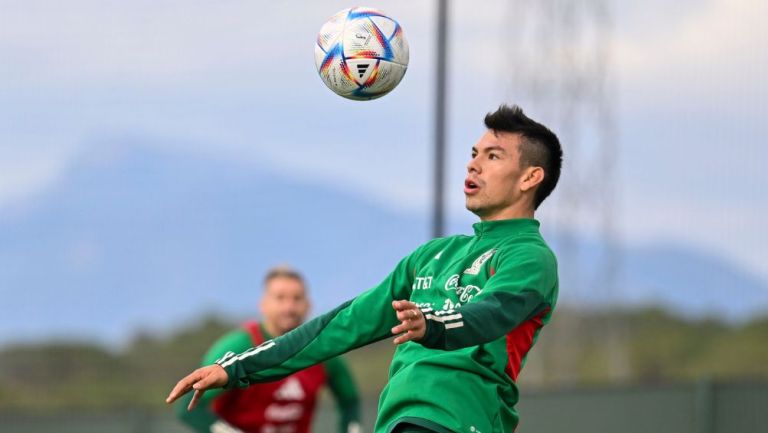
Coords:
366,319
201,418
522,288
344,390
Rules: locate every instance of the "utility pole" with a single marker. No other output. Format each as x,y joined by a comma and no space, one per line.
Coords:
441,66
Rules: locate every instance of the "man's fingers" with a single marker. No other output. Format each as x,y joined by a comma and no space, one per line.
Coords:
411,319
403,327
402,305
208,381
407,325
195,398
408,336
409,314
182,387
411,329
200,380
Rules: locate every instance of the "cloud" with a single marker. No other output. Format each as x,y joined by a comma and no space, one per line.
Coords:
714,54
30,164
231,79
145,45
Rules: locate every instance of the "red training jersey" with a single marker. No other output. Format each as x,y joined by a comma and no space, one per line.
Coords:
283,406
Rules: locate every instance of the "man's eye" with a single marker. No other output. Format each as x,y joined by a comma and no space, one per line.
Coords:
493,156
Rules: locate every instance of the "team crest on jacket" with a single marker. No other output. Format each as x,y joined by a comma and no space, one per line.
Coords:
478,263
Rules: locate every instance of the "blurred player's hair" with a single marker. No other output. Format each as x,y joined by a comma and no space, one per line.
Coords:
283,271
539,146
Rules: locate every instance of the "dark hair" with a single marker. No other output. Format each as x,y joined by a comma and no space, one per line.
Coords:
539,146
283,271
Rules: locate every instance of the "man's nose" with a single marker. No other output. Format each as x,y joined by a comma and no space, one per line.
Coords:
473,166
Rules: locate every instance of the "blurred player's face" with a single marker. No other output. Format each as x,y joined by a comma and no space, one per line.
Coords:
284,305
496,186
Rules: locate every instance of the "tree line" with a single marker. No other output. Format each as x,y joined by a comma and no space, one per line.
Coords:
578,348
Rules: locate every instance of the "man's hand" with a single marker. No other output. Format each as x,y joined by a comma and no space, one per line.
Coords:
202,379
412,323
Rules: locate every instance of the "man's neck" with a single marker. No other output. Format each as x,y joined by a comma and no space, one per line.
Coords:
508,214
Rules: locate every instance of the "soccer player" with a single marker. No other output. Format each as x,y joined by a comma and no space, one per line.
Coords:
283,406
465,310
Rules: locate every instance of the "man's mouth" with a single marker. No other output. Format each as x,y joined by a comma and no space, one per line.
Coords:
470,186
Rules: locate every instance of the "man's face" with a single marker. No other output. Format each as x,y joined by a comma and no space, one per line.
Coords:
285,304
493,184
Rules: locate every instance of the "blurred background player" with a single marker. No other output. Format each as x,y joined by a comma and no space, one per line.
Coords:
285,406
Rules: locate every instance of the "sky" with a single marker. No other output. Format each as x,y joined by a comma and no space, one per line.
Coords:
235,80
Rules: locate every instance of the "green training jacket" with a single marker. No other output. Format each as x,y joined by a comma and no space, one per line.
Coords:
485,298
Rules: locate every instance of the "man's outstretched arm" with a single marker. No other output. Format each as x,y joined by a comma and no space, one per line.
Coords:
366,319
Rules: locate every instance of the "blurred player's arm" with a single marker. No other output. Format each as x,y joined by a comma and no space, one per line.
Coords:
202,418
521,289
344,390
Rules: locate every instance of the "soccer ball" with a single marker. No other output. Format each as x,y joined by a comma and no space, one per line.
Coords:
361,53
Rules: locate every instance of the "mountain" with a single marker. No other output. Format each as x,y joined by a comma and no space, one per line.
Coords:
135,237
138,237
693,282
683,280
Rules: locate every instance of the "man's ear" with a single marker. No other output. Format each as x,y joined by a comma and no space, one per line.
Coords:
531,178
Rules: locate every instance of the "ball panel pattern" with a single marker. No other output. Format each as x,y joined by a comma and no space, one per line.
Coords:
361,53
